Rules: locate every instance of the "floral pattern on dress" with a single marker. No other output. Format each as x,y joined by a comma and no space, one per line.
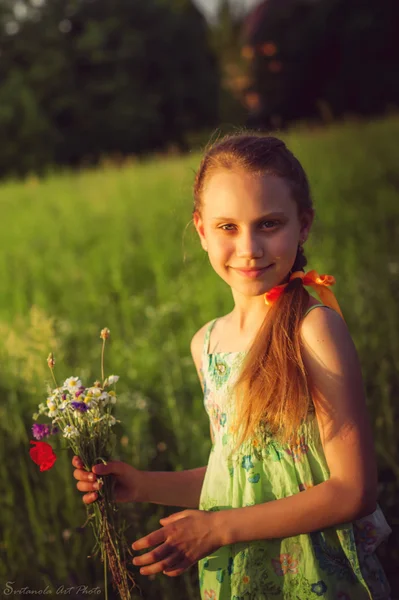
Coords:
365,535
247,463
319,588
298,449
220,373
215,414
285,564
334,561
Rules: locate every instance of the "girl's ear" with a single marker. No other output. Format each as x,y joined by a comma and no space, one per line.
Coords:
306,224
199,226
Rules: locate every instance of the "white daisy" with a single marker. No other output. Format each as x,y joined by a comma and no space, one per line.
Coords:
52,407
111,380
112,397
94,391
72,384
70,431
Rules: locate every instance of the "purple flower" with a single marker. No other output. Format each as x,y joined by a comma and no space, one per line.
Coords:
80,391
40,431
80,406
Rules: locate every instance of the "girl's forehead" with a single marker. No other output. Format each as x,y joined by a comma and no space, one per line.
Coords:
244,195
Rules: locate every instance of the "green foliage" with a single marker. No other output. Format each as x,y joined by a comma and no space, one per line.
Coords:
28,141
84,79
108,248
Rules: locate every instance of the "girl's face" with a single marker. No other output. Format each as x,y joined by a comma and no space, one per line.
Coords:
250,228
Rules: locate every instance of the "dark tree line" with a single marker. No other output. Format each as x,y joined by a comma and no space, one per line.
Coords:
323,56
84,78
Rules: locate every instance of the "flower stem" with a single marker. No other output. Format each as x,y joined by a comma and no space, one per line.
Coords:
102,362
105,576
54,379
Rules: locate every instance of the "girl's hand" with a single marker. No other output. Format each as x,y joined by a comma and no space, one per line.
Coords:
184,539
128,485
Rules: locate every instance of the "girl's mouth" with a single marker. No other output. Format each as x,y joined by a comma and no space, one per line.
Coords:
253,273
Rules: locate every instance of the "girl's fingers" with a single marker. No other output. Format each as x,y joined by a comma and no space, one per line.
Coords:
77,462
159,553
89,498
87,486
84,475
86,481
168,563
176,570
154,538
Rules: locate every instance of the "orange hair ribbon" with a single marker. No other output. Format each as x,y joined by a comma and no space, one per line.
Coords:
319,283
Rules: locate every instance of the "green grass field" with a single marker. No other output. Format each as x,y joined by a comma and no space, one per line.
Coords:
81,251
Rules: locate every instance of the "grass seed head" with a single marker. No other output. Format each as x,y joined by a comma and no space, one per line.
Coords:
105,333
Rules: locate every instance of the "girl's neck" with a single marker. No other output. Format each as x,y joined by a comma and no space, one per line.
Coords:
247,315
245,322
249,311
235,332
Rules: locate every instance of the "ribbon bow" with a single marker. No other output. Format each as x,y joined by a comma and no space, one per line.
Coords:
319,283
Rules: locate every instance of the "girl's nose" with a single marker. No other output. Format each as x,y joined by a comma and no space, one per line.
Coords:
248,246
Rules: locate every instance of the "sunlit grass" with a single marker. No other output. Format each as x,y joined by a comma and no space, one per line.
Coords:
110,248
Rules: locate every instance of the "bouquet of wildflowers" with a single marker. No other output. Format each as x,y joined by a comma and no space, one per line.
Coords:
83,415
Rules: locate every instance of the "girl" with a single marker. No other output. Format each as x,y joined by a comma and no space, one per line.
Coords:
286,507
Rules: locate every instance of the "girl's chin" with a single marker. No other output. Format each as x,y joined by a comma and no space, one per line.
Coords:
251,291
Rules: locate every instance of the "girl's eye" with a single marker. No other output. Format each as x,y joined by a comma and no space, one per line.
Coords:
273,223
227,227
231,226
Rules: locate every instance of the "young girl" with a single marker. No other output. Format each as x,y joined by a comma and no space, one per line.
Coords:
286,507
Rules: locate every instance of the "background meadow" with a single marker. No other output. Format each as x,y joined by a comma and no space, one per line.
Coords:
113,247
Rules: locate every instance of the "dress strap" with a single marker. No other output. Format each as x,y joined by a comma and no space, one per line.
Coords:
205,349
208,337
315,306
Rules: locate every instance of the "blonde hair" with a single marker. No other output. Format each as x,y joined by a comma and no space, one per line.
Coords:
272,389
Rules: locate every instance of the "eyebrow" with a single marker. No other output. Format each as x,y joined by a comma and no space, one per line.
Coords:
268,216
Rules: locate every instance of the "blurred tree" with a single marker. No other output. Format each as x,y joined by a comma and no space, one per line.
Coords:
322,57
225,37
28,139
103,78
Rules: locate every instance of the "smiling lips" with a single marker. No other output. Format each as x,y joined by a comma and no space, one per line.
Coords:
251,272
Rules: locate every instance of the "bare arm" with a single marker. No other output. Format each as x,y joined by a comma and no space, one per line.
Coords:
179,488
173,488
337,390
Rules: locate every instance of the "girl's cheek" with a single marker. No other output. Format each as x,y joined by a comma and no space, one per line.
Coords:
220,247
283,245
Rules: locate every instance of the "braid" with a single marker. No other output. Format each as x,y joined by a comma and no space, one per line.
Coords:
300,260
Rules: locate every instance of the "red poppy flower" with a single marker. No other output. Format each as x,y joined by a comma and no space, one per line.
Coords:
43,455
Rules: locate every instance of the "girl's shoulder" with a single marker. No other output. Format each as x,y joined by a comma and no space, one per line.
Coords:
324,327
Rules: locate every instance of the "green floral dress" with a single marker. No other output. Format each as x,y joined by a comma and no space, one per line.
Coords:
338,563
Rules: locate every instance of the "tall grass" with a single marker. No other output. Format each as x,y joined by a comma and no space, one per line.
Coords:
80,251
